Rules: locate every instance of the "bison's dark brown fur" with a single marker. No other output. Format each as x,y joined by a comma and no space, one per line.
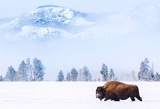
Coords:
116,91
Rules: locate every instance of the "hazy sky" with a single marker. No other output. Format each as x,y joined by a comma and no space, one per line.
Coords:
123,53
10,8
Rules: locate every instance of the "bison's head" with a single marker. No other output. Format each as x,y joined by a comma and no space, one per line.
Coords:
100,92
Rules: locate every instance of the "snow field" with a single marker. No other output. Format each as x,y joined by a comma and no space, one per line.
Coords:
71,95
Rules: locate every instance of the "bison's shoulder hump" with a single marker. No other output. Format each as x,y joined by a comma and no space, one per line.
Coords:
112,84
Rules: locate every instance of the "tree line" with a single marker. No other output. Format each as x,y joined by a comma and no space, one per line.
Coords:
85,75
146,73
26,71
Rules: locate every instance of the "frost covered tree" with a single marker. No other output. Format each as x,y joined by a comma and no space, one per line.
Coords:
68,77
80,75
74,74
21,74
145,72
104,72
111,75
60,76
157,77
143,69
38,70
86,76
1,78
11,74
29,70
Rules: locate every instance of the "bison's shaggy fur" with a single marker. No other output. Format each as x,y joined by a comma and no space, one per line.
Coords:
116,91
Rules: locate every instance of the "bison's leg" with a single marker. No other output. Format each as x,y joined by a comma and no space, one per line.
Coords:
116,99
111,96
132,98
139,98
105,99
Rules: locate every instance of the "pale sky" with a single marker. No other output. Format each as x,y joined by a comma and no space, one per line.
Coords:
13,8
123,54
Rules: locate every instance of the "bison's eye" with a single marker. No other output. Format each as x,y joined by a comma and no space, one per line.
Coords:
99,89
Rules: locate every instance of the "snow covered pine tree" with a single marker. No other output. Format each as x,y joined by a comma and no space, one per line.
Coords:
86,76
60,76
104,72
11,74
38,70
145,73
22,72
111,75
74,74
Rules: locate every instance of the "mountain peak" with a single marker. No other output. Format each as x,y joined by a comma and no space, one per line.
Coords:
54,15
47,6
49,21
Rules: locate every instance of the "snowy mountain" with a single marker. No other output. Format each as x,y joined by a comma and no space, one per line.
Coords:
52,16
59,22
48,21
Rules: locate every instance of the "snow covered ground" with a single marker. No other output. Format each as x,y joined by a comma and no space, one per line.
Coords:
71,95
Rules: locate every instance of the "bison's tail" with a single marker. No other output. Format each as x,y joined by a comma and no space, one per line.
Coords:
137,94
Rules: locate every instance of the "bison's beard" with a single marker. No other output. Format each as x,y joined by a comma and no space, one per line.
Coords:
100,96
100,92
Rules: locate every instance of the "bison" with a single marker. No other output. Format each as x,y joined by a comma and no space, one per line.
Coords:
117,91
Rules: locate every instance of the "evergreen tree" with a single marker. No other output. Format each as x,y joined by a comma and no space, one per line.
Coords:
104,72
74,74
68,77
80,75
11,74
86,74
141,72
145,72
60,76
38,70
157,77
29,70
22,72
111,75
1,78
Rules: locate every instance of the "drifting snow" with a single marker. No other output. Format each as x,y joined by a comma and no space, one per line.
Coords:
71,95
